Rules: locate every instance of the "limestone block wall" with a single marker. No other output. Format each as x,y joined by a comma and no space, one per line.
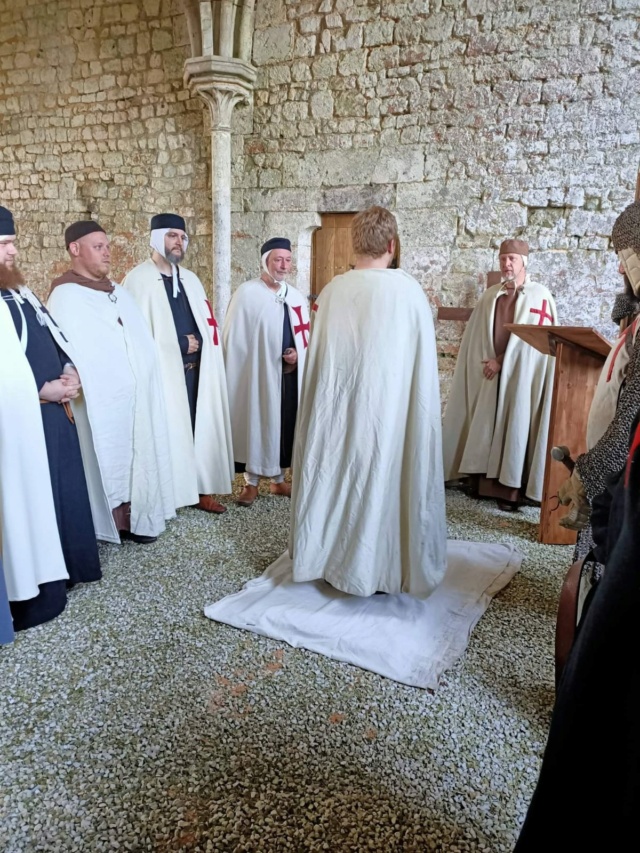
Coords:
94,119
472,119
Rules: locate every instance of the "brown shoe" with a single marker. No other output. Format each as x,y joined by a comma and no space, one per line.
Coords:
283,489
209,504
247,496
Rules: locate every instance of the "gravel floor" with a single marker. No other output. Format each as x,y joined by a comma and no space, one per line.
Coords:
134,723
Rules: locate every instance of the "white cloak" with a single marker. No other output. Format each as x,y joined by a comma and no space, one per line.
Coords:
202,461
31,550
125,416
612,378
252,337
499,427
368,504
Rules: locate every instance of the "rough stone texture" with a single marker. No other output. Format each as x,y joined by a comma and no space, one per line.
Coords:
96,120
472,119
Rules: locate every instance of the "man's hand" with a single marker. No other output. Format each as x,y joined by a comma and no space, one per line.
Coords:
290,356
59,390
491,368
70,376
194,345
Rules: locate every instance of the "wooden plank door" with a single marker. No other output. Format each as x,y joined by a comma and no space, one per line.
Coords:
331,250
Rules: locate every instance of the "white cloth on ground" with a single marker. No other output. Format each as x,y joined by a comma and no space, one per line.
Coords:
368,505
202,460
252,336
401,637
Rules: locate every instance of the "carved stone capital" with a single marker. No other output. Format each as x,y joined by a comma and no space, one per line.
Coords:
222,83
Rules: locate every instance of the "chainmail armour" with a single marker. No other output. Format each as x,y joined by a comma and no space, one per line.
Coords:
610,453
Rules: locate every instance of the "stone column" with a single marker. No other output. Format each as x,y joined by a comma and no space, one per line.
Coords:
222,83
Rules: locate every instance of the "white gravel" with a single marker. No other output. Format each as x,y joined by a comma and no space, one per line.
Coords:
133,723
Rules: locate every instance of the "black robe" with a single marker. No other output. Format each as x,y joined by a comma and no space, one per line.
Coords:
589,788
6,624
185,324
289,399
68,483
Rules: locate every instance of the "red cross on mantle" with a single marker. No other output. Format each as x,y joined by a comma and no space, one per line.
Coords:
542,312
303,327
213,323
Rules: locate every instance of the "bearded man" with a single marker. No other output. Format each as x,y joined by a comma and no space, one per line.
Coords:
175,305
46,525
265,336
497,419
123,396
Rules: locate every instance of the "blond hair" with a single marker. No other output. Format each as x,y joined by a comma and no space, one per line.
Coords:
371,231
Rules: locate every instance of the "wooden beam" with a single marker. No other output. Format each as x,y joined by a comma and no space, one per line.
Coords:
445,313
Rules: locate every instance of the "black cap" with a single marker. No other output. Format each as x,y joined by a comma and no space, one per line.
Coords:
168,220
7,226
80,229
275,243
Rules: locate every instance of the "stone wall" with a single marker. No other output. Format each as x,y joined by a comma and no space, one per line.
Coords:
95,120
471,119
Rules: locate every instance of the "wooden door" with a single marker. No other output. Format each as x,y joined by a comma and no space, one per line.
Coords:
331,250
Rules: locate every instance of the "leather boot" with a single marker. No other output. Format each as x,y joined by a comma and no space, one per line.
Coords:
247,496
209,504
283,489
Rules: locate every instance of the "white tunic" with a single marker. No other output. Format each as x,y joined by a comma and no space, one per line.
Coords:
31,550
122,389
368,505
499,427
202,461
252,337
612,378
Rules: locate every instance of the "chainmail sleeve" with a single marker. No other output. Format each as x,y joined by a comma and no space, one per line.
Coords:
610,453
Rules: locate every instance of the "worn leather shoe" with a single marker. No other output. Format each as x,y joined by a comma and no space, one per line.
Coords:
136,537
283,489
209,504
247,496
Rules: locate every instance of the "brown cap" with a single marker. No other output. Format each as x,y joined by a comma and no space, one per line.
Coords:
514,247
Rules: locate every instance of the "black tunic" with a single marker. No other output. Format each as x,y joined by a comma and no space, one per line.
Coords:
289,399
185,324
68,483
589,788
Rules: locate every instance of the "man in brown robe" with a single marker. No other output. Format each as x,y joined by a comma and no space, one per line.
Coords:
496,422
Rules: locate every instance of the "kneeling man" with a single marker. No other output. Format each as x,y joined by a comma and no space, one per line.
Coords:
368,507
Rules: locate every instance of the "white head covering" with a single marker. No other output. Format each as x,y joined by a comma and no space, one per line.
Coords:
156,242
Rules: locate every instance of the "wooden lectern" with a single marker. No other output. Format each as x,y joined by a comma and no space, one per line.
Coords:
580,353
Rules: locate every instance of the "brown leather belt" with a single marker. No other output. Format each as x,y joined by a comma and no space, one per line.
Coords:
65,406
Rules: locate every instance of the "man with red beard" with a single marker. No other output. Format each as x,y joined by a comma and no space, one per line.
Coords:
122,410
46,526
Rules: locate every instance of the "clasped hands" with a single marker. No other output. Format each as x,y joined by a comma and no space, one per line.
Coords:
62,390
